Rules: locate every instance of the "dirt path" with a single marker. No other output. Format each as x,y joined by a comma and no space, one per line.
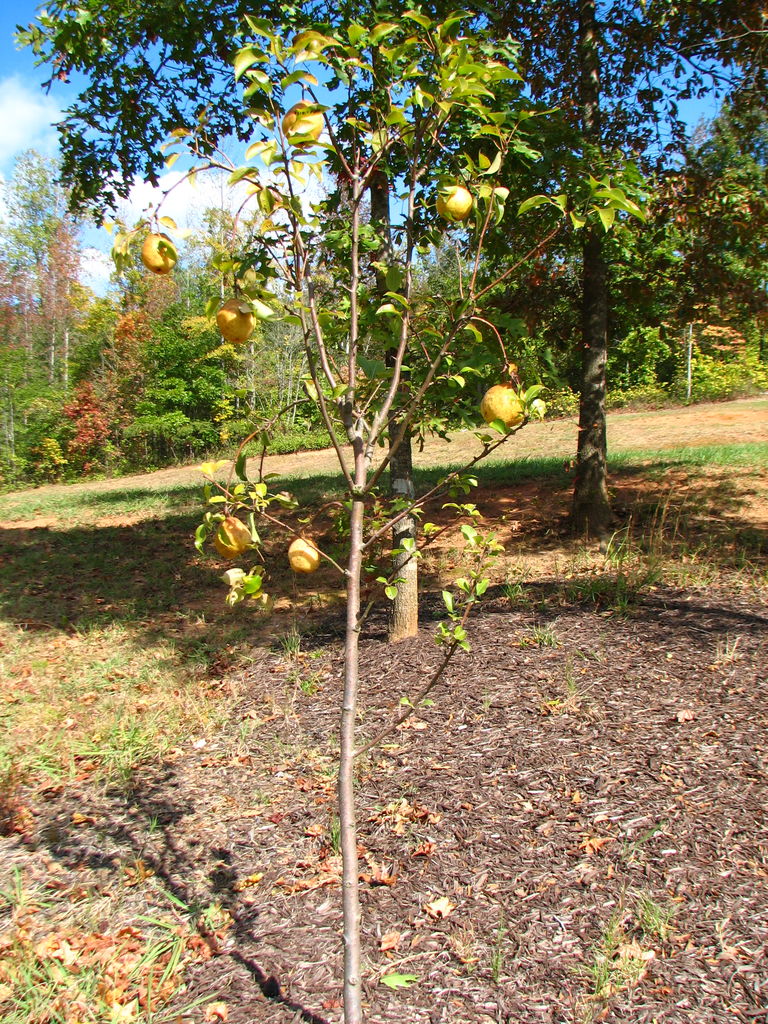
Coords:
742,421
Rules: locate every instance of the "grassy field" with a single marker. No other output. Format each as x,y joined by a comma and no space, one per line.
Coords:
116,651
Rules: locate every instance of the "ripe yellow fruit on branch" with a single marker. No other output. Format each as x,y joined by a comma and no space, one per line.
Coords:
236,321
232,538
158,254
303,555
502,403
455,203
302,121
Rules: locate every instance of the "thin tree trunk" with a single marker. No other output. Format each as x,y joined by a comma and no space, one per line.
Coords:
353,1013
591,511
65,359
404,610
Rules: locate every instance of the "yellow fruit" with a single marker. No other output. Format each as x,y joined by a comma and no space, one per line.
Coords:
501,403
302,121
232,538
455,203
303,555
235,321
158,254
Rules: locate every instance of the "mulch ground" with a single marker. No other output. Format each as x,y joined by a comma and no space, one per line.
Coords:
575,830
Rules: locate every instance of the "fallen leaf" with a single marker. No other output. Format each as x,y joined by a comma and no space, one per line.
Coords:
124,1013
247,882
593,844
378,875
138,873
413,723
82,819
399,980
686,715
441,907
390,941
54,948
216,1011
425,849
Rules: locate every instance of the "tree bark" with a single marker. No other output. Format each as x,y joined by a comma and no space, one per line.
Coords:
404,609
353,1013
591,511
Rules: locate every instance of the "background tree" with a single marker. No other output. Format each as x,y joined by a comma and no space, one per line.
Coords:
618,72
42,304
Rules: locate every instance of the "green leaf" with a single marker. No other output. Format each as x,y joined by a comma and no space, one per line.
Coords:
383,29
391,592
394,278
533,392
356,33
242,172
607,215
448,601
493,166
245,59
469,533
388,307
396,980
531,203
374,369
419,18
261,310
252,585
260,26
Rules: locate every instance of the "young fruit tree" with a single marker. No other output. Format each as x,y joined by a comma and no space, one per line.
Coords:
435,109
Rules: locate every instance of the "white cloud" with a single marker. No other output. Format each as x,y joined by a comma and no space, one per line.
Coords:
96,268
27,116
185,203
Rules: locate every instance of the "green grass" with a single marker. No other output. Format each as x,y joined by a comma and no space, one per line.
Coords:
754,454
77,506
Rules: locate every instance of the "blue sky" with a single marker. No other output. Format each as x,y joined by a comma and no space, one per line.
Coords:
26,112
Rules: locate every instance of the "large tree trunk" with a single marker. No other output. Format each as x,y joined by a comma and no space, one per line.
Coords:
404,610
591,512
